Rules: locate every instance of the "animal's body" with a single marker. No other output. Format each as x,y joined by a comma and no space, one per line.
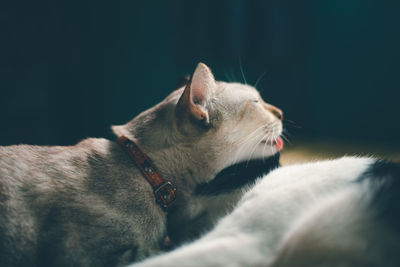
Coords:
79,205
88,204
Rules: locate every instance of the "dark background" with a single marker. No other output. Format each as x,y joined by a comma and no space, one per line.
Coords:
70,69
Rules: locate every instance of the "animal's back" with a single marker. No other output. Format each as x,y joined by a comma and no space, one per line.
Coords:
52,199
30,178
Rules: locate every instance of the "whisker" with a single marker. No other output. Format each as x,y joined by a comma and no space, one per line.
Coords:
265,146
269,139
260,78
235,79
228,77
285,131
241,70
263,150
270,135
250,141
253,150
291,123
254,131
285,138
254,146
246,140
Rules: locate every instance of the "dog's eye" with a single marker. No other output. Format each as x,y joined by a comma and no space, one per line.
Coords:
256,101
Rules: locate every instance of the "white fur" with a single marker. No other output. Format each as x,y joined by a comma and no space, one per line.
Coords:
314,204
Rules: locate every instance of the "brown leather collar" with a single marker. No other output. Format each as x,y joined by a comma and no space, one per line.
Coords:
164,191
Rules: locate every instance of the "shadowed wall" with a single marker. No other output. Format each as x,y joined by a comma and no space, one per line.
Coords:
70,69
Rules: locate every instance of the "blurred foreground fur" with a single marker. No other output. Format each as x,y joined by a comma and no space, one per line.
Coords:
343,212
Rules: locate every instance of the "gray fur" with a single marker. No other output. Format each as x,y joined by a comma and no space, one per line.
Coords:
88,205
85,205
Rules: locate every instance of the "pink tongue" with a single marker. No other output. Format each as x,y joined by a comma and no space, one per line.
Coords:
279,144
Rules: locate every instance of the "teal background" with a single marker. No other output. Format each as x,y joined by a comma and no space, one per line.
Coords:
70,69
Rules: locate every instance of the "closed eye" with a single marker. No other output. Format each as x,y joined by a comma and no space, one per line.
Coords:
256,101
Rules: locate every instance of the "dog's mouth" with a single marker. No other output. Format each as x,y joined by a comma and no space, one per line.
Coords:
278,143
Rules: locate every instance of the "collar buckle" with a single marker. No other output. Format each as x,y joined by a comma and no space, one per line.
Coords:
165,195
